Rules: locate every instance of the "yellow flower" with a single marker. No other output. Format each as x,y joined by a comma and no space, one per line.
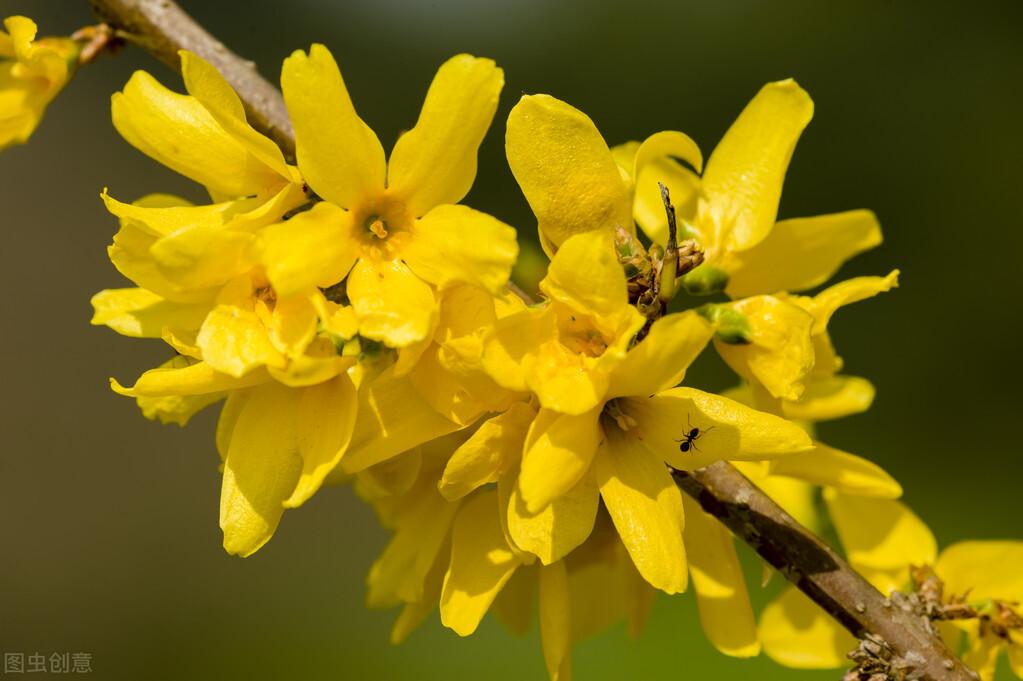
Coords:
568,174
610,417
789,356
731,210
392,227
987,575
32,72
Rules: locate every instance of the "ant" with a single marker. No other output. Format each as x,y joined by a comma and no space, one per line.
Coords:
690,437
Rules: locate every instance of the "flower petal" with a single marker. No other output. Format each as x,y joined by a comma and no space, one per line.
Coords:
797,633
660,360
456,244
646,508
142,314
325,420
556,622
434,163
560,527
744,175
881,537
196,379
565,170
840,470
177,131
339,155
831,397
481,563
393,418
488,453
393,305
262,467
739,432
205,83
725,610
313,249
847,292
802,253
585,275
557,454
987,569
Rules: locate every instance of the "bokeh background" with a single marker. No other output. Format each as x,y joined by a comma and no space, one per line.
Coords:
108,523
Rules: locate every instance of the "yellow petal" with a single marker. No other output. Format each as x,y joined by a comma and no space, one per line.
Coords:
393,305
162,214
567,381
142,314
510,341
565,170
646,508
982,657
796,633
556,622
831,397
196,379
744,175
987,569
435,162
725,610
203,256
660,360
177,131
392,478
393,418
488,453
421,528
585,275
558,452
481,563
453,394
781,353
840,470
229,414
177,409
647,205
413,614
325,419
802,253
561,526
206,84
456,244
234,341
339,155
727,429
844,293
881,537
262,467
313,249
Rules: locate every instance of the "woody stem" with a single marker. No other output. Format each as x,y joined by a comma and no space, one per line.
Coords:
162,28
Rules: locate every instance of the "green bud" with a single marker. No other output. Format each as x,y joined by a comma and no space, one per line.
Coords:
705,280
731,326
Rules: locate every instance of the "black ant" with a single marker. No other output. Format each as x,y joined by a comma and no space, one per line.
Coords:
690,437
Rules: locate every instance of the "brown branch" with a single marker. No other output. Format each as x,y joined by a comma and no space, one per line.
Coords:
817,570
162,28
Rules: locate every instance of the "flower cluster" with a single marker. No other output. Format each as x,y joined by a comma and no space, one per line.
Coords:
357,323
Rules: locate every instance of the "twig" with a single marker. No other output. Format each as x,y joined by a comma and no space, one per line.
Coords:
162,28
817,570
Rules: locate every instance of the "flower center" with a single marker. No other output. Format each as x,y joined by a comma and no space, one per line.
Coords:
376,226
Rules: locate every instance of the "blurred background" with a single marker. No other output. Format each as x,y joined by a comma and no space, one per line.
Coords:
109,533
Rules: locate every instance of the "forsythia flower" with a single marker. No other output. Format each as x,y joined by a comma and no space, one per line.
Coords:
390,226
32,72
731,209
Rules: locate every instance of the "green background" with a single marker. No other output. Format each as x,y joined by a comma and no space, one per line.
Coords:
108,523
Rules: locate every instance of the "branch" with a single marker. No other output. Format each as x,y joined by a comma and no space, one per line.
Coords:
817,570
162,28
